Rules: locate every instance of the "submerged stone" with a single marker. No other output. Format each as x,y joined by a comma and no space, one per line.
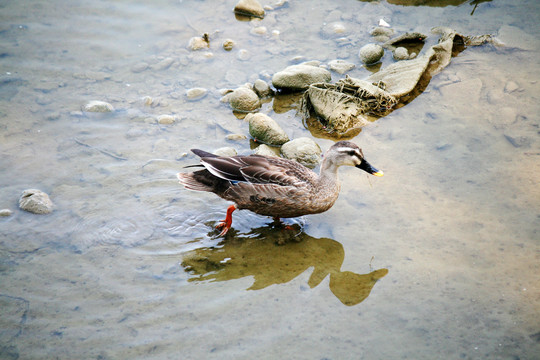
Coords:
244,99
401,53
98,106
249,8
228,44
196,93
262,88
266,150
199,42
226,151
371,53
303,150
5,212
299,77
341,66
264,129
166,119
35,201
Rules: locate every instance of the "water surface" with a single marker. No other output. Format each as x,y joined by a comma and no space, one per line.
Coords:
437,259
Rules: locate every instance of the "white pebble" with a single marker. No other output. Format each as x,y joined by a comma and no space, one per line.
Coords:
5,212
166,119
98,106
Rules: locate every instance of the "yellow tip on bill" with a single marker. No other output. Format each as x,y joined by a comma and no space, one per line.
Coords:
378,173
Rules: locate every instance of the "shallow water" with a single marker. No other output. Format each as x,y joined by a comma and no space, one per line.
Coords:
437,259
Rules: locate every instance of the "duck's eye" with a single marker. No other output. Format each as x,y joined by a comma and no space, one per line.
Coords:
351,152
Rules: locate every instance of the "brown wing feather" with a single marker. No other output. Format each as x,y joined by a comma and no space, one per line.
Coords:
258,170
266,170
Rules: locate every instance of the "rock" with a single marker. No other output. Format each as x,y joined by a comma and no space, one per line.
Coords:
236,137
414,38
266,150
495,96
249,8
140,67
371,53
504,117
518,141
264,129
35,201
382,31
334,28
226,151
196,93
228,45
166,119
514,37
163,64
511,86
244,55
5,212
299,77
98,106
303,150
259,30
401,53
341,66
244,99
262,88
199,43
463,93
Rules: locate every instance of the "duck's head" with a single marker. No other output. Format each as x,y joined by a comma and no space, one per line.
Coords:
348,153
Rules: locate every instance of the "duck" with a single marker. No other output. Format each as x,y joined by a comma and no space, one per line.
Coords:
273,186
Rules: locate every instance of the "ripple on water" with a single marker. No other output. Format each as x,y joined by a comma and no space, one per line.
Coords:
196,222
125,231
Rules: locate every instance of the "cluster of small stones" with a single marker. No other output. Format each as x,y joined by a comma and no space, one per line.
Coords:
265,130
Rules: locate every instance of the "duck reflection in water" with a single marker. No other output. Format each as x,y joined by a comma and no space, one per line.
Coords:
257,254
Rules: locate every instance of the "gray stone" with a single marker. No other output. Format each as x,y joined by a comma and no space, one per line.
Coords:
198,43
5,212
140,67
334,29
236,137
299,77
196,93
35,201
266,150
511,86
228,44
514,37
243,55
401,53
518,141
262,88
249,8
303,150
382,31
166,119
98,106
163,64
504,117
244,99
264,129
371,53
226,151
341,66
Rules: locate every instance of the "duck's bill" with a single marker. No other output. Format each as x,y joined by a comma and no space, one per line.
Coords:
364,165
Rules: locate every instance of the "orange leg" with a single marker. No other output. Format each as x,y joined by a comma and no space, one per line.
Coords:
284,226
225,225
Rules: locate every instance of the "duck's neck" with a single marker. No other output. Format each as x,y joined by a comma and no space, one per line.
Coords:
328,173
